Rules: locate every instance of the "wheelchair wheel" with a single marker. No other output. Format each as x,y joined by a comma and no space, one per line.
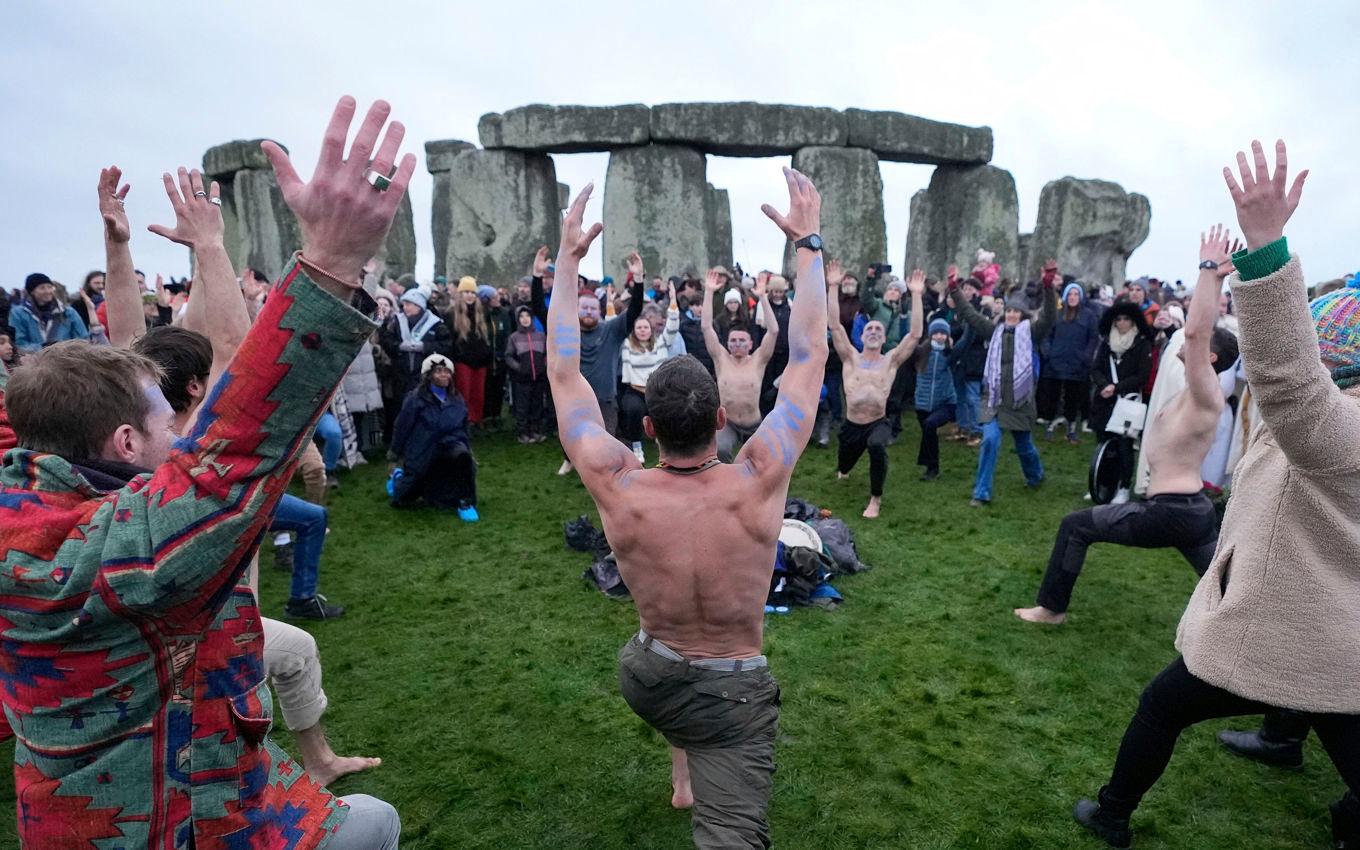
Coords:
1103,479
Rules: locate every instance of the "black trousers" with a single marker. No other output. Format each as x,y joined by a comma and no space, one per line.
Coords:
450,480
899,396
1055,394
931,422
1177,700
874,438
529,400
632,407
494,399
1186,523
769,393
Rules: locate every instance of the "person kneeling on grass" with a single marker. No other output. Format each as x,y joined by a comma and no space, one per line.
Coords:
431,450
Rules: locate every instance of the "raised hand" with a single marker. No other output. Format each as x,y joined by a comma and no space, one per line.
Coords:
805,208
1215,247
835,274
951,274
344,218
634,265
712,281
575,241
252,287
541,261
162,294
1263,205
762,281
198,221
672,302
111,199
916,284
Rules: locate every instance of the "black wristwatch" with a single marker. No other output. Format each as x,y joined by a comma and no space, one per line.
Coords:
1209,265
813,242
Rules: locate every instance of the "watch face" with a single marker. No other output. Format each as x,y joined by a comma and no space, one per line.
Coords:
814,242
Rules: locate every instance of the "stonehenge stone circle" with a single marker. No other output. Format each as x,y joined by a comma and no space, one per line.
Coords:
719,224
1090,227
501,205
964,208
656,201
851,187
898,137
438,160
565,129
747,129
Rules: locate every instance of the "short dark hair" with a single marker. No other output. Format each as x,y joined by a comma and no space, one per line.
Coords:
1224,344
89,277
72,396
682,401
182,355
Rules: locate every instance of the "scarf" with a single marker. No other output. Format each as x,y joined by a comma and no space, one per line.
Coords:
1022,364
1122,342
408,334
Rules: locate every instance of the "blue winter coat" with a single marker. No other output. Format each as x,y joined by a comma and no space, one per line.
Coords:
935,380
28,334
1071,344
426,425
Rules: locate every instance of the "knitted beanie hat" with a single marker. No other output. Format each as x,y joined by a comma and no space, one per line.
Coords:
467,284
938,326
1337,317
1069,288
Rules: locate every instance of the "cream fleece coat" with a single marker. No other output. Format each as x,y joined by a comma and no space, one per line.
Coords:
1277,616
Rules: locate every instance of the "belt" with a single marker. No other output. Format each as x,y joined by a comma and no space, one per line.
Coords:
724,665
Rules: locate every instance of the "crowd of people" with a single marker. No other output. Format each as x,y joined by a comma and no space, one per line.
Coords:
139,500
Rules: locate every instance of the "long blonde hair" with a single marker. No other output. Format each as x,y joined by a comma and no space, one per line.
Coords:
463,326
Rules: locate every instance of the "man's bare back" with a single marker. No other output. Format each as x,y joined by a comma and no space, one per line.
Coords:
702,594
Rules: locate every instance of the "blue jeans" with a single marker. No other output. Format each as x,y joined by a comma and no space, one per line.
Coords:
991,446
969,393
332,441
308,524
833,393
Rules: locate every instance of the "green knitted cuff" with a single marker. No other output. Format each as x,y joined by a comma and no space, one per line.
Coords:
1265,260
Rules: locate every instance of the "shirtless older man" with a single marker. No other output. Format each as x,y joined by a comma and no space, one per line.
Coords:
1176,513
868,378
694,671
740,370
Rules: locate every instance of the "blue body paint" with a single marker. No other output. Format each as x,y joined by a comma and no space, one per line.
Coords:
780,432
566,339
800,346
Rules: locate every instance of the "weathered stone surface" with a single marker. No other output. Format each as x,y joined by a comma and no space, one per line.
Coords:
1026,245
852,206
501,206
563,196
565,129
747,129
398,253
656,201
898,137
966,207
439,154
1090,227
225,160
267,232
718,214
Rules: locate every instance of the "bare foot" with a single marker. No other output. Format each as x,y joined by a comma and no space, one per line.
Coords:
340,766
871,512
1041,615
682,797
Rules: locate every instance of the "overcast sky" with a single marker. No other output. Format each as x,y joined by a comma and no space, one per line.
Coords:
1157,98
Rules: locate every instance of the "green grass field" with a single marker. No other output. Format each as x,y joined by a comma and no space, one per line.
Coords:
921,714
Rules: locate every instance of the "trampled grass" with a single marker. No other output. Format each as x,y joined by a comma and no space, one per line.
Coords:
921,714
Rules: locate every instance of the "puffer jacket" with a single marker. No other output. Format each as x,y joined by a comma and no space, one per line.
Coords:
362,390
526,353
935,377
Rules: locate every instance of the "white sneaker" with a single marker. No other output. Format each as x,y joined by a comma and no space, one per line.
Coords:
1121,496
1086,498
565,468
637,453
1086,428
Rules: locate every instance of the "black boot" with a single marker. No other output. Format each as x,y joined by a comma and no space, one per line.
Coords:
1112,830
313,608
1257,747
1346,823
283,557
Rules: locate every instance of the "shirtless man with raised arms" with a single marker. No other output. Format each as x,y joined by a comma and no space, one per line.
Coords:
1176,512
740,370
695,671
868,378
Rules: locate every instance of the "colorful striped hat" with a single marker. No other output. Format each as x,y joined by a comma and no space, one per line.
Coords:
1337,317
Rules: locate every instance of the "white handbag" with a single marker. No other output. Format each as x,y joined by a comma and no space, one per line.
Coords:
1130,412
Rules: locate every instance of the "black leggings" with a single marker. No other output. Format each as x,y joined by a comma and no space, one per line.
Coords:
931,422
1177,700
1186,523
632,407
873,438
1071,394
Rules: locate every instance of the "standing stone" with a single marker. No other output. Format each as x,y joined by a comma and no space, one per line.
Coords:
747,129
398,253
1090,227
897,137
1026,247
502,205
656,201
719,217
439,156
565,129
267,232
966,207
852,206
563,196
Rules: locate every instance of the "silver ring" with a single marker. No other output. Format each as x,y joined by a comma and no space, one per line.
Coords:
217,202
200,194
377,181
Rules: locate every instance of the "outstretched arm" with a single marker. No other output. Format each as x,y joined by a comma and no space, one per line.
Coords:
783,435
599,457
916,285
126,318
1200,377
840,340
537,303
767,342
710,318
